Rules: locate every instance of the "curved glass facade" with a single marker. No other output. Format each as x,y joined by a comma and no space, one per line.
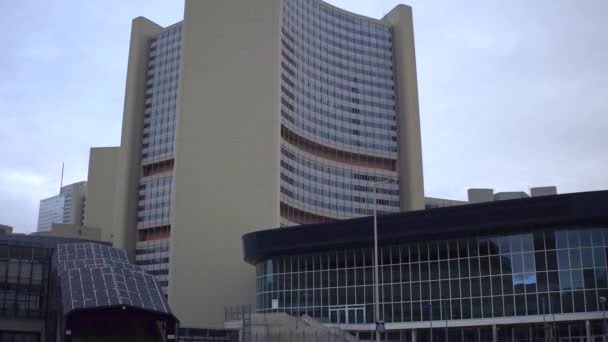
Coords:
550,271
338,117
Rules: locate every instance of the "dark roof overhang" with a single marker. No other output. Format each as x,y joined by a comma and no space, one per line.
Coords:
499,217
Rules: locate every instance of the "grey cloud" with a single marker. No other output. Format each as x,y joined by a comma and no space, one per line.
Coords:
512,93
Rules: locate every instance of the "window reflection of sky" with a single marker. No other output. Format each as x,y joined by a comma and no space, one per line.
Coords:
524,279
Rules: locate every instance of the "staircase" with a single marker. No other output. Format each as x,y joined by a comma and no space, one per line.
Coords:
281,327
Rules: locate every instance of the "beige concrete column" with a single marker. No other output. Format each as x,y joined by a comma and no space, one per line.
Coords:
226,177
101,190
128,163
411,181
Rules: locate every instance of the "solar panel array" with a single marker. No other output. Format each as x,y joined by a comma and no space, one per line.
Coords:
93,275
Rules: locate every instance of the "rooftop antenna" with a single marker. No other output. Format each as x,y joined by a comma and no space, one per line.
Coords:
61,184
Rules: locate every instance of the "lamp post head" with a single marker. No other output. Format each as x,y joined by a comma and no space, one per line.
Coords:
602,299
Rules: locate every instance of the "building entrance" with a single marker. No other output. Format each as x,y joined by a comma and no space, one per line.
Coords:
347,314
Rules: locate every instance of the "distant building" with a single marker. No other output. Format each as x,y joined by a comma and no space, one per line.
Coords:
63,289
480,195
434,202
67,207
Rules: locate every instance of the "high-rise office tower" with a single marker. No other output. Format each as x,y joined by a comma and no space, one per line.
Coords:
67,207
250,114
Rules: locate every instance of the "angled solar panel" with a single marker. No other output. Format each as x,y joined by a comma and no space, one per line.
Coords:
93,275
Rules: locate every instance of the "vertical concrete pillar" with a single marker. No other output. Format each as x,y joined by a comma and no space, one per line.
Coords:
588,329
494,333
411,180
414,335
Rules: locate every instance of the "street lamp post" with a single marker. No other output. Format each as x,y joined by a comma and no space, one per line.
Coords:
429,306
603,300
546,331
446,321
376,278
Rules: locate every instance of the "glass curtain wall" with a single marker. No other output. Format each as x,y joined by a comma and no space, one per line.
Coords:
545,271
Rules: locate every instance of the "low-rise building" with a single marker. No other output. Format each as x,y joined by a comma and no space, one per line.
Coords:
64,289
527,269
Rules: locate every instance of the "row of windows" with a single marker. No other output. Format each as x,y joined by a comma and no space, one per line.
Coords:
414,311
354,129
157,249
385,94
155,261
159,152
326,194
323,95
24,253
384,64
338,140
349,119
312,71
313,91
422,287
311,56
345,47
325,18
173,33
384,146
323,206
331,171
23,286
153,217
162,67
314,32
391,294
334,183
158,272
466,267
167,46
349,110
542,244
372,30
308,70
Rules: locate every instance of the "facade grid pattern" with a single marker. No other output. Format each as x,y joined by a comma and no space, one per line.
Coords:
338,114
157,153
549,271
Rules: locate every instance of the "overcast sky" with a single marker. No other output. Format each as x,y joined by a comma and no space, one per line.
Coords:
513,93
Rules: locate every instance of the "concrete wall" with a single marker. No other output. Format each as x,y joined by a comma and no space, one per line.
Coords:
101,190
126,331
128,161
442,202
76,231
507,195
480,195
79,191
226,178
543,191
411,181
23,325
279,327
